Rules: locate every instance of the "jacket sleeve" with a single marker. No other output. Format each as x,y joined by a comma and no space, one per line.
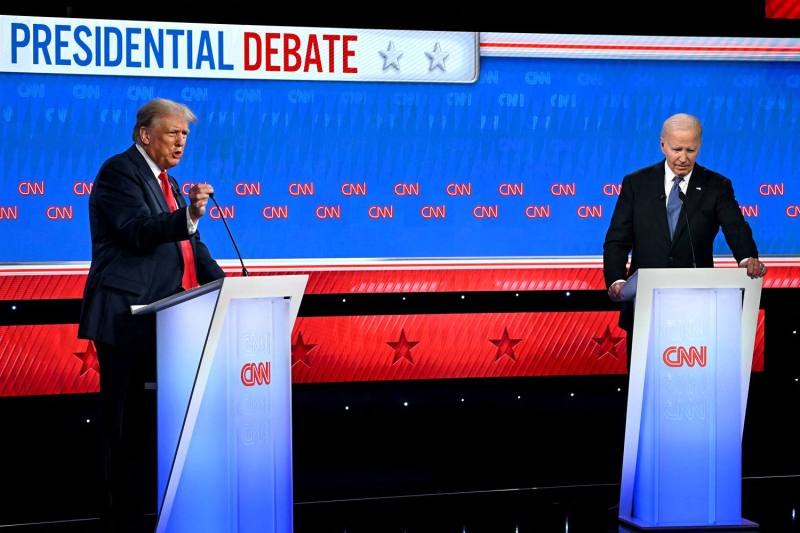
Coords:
737,231
619,238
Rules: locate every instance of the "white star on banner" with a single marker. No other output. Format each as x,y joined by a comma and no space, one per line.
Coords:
437,58
391,57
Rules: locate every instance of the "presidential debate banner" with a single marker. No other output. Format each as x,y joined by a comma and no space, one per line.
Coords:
124,48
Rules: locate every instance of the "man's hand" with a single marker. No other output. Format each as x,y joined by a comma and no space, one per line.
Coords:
755,268
615,291
198,198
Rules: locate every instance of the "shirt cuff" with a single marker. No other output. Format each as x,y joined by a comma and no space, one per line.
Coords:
743,262
190,224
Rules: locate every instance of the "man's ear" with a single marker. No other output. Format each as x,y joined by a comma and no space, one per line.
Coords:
144,135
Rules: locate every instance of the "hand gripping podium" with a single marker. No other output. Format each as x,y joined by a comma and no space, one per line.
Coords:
224,405
693,338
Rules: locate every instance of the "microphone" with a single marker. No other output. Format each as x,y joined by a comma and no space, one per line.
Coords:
245,273
688,227
177,193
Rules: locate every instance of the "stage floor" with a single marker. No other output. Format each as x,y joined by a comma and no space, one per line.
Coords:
421,456
772,502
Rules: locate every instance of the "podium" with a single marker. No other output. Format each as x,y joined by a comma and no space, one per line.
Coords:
693,338
224,452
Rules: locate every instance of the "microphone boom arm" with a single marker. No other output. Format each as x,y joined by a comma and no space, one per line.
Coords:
245,273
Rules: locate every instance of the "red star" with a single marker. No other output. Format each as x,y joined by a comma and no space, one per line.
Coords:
88,359
505,346
607,344
402,348
300,351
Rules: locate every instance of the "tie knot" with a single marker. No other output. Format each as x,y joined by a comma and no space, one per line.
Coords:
163,176
677,180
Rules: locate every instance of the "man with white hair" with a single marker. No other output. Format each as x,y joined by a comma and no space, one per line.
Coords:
654,204
145,247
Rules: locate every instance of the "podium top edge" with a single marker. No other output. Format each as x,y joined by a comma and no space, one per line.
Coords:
691,278
291,285
175,299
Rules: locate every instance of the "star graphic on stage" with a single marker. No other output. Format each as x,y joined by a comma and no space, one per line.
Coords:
437,58
505,346
88,359
402,348
391,57
607,344
300,350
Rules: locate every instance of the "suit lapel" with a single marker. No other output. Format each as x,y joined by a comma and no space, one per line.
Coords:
146,175
658,202
694,194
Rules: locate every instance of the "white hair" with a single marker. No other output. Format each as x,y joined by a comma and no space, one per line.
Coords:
157,108
682,121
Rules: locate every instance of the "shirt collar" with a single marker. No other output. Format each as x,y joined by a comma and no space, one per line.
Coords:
669,175
150,162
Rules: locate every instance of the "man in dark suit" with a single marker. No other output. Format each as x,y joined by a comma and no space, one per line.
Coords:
145,246
650,218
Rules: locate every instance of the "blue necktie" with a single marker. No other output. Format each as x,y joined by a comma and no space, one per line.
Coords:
674,205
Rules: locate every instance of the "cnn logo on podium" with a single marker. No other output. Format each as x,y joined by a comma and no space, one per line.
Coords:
677,356
256,374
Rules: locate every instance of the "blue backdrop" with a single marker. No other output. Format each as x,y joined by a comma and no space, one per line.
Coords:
544,123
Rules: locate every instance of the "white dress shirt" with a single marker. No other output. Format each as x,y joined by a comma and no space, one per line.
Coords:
669,175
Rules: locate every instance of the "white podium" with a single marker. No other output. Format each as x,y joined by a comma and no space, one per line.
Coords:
224,405
693,339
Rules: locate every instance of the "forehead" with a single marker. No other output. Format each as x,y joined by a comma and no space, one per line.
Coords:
689,136
171,122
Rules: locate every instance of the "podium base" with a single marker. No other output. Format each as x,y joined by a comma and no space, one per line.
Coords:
632,524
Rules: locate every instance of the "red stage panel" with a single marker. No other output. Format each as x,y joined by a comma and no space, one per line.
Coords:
783,9
46,360
401,347
50,360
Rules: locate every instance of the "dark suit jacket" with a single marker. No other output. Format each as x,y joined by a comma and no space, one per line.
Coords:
136,257
639,224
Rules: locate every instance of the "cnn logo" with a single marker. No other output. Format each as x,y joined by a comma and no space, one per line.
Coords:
256,374
677,356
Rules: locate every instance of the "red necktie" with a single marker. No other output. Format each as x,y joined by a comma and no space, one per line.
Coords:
189,273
